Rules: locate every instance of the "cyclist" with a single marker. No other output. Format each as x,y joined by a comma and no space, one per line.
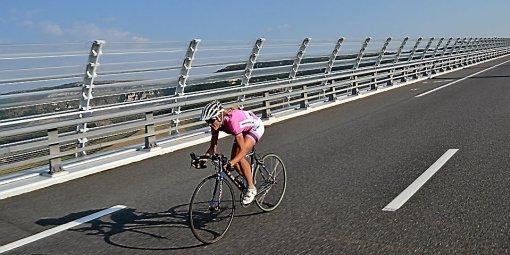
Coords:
247,129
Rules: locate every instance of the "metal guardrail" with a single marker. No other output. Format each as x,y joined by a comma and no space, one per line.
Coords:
261,83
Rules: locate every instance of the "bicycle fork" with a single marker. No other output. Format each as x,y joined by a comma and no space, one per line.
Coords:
215,204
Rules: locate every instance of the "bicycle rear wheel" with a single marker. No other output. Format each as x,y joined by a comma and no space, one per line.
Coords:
271,180
211,209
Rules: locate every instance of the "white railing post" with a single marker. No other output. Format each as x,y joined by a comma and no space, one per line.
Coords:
329,68
410,58
380,57
183,77
427,47
451,53
430,70
250,65
443,53
96,50
294,71
355,67
492,47
481,48
472,49
395,61
423,55
437,47
445,48
299,56
466,49
458,53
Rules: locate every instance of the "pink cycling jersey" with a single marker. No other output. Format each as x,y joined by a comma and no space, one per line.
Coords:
238,121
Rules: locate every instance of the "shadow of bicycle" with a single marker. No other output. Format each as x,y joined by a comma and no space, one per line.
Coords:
131,229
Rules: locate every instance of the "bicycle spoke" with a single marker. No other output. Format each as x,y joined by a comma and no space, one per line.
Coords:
272,179
211,213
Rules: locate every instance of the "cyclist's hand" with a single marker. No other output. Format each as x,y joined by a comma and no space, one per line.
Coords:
199,162
228,166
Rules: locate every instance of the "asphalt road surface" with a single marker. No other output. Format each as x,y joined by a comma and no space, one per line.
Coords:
345,164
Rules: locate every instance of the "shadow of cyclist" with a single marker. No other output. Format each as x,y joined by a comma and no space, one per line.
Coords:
131,229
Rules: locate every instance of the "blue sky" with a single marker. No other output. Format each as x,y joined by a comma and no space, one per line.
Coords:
58,21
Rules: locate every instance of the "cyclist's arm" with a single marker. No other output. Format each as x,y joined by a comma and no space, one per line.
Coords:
244,149
214,142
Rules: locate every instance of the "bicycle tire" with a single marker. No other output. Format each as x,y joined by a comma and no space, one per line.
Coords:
204,214
271,185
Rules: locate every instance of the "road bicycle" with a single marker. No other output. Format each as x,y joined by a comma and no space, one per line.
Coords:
212,206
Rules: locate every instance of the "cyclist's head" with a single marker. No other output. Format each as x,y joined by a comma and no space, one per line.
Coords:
211,111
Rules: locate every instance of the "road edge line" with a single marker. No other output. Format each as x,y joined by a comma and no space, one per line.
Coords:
58,229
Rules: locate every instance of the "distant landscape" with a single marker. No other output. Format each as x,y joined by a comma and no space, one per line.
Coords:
163,91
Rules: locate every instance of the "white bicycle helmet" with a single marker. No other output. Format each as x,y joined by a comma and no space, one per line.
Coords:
211,110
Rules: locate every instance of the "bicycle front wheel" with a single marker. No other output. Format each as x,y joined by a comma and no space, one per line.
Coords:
211,209
271,180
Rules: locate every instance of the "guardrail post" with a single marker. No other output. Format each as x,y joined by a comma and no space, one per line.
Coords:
472,49
430,70
479,49
96,50
466,49
443,53
454,46
492,47
437,47
55,160
150,137
355,67
458,53
427,47
266,113
294,70
183,77
489,48
329,68
482,47
411,56
468,45
423,55
451,53
380,57
488,55
498,46
250,65
395,61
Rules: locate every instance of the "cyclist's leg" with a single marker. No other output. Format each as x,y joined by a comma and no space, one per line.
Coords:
250,140
244,164
233,153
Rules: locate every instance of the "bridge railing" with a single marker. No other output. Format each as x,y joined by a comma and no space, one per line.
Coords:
122,100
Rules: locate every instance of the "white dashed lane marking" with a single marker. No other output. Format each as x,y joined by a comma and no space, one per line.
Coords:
396,203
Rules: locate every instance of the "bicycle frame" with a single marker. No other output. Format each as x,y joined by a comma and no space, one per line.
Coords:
219,162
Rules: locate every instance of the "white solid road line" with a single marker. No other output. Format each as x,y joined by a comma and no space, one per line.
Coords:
52,231
416,185
459,80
